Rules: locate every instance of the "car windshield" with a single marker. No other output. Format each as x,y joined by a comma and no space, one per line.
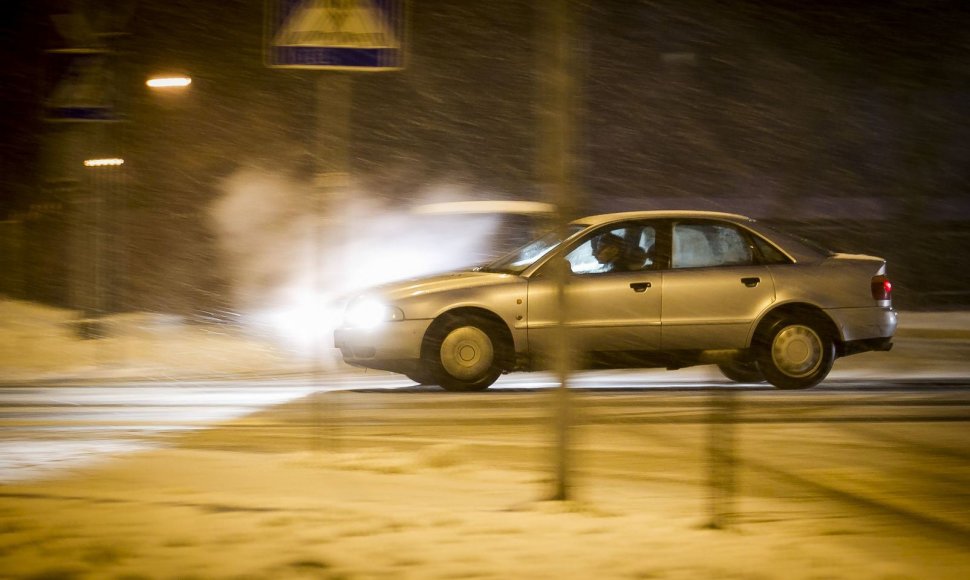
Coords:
518,260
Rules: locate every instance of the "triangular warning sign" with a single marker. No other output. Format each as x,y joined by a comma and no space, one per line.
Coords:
337,24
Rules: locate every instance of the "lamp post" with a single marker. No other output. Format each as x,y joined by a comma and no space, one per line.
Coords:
102,176
97,248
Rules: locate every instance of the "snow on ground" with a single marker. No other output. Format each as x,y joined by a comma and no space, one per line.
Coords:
203,510
41,343
210,514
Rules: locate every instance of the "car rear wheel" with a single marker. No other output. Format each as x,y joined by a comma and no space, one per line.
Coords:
464,354
795,354
742,371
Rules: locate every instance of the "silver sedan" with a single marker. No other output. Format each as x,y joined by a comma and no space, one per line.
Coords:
632,290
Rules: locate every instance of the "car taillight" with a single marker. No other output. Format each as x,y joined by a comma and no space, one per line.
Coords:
882,288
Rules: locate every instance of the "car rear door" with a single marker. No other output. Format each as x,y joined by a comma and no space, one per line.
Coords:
714,289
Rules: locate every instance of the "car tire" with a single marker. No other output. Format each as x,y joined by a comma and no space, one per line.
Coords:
795,353
742,371
463,354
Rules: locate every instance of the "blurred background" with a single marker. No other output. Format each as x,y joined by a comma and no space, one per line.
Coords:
843,121
185,224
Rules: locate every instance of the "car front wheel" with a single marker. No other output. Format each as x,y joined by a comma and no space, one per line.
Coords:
463,355
795,354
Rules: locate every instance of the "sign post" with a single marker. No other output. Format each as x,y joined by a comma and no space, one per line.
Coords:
83,106
334,36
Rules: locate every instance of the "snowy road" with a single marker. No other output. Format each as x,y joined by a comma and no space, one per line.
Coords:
388,479
895,450
47,428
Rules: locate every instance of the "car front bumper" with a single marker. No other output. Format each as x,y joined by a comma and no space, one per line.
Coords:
393,346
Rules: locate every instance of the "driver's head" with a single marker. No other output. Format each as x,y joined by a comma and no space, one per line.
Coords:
607,248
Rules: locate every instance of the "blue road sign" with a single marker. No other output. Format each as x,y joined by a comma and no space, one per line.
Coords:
365,35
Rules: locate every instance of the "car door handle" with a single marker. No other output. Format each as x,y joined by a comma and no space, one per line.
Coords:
639,286
751,282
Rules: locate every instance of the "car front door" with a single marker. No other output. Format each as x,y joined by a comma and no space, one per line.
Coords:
715,288
610,308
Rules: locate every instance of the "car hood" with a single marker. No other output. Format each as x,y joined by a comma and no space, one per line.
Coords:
442,283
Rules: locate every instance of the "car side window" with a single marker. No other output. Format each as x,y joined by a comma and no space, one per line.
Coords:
627,248
769,253
700,245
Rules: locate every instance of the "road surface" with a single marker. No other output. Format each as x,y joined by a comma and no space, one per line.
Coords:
893,450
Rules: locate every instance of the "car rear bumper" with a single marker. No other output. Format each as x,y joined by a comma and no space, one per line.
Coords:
385,347
866,325
866,345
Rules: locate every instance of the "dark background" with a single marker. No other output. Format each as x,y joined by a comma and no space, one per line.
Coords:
844,121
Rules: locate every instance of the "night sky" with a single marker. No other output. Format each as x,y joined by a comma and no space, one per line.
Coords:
800,110
777,90
23,28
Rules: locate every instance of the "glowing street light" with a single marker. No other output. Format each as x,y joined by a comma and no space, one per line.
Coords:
170,82
108,162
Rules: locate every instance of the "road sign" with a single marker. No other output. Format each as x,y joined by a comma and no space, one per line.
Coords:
82,77
364,35
84,89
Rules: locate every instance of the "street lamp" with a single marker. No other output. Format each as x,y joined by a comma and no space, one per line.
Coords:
107,162
169,82
169,90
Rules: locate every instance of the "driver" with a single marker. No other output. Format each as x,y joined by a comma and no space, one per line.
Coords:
615,255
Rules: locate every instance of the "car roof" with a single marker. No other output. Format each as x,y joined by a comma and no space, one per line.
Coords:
605,218
797,249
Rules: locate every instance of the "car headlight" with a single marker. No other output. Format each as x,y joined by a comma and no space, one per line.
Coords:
370,312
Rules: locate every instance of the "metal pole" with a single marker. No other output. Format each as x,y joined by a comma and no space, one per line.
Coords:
721,457
334,101
99,180
563,402
556,170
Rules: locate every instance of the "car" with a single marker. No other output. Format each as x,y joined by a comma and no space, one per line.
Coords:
500,225
631,290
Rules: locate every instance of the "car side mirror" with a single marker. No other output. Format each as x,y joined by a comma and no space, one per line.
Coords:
557,268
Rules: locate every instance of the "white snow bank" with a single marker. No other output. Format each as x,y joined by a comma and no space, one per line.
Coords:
42,342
